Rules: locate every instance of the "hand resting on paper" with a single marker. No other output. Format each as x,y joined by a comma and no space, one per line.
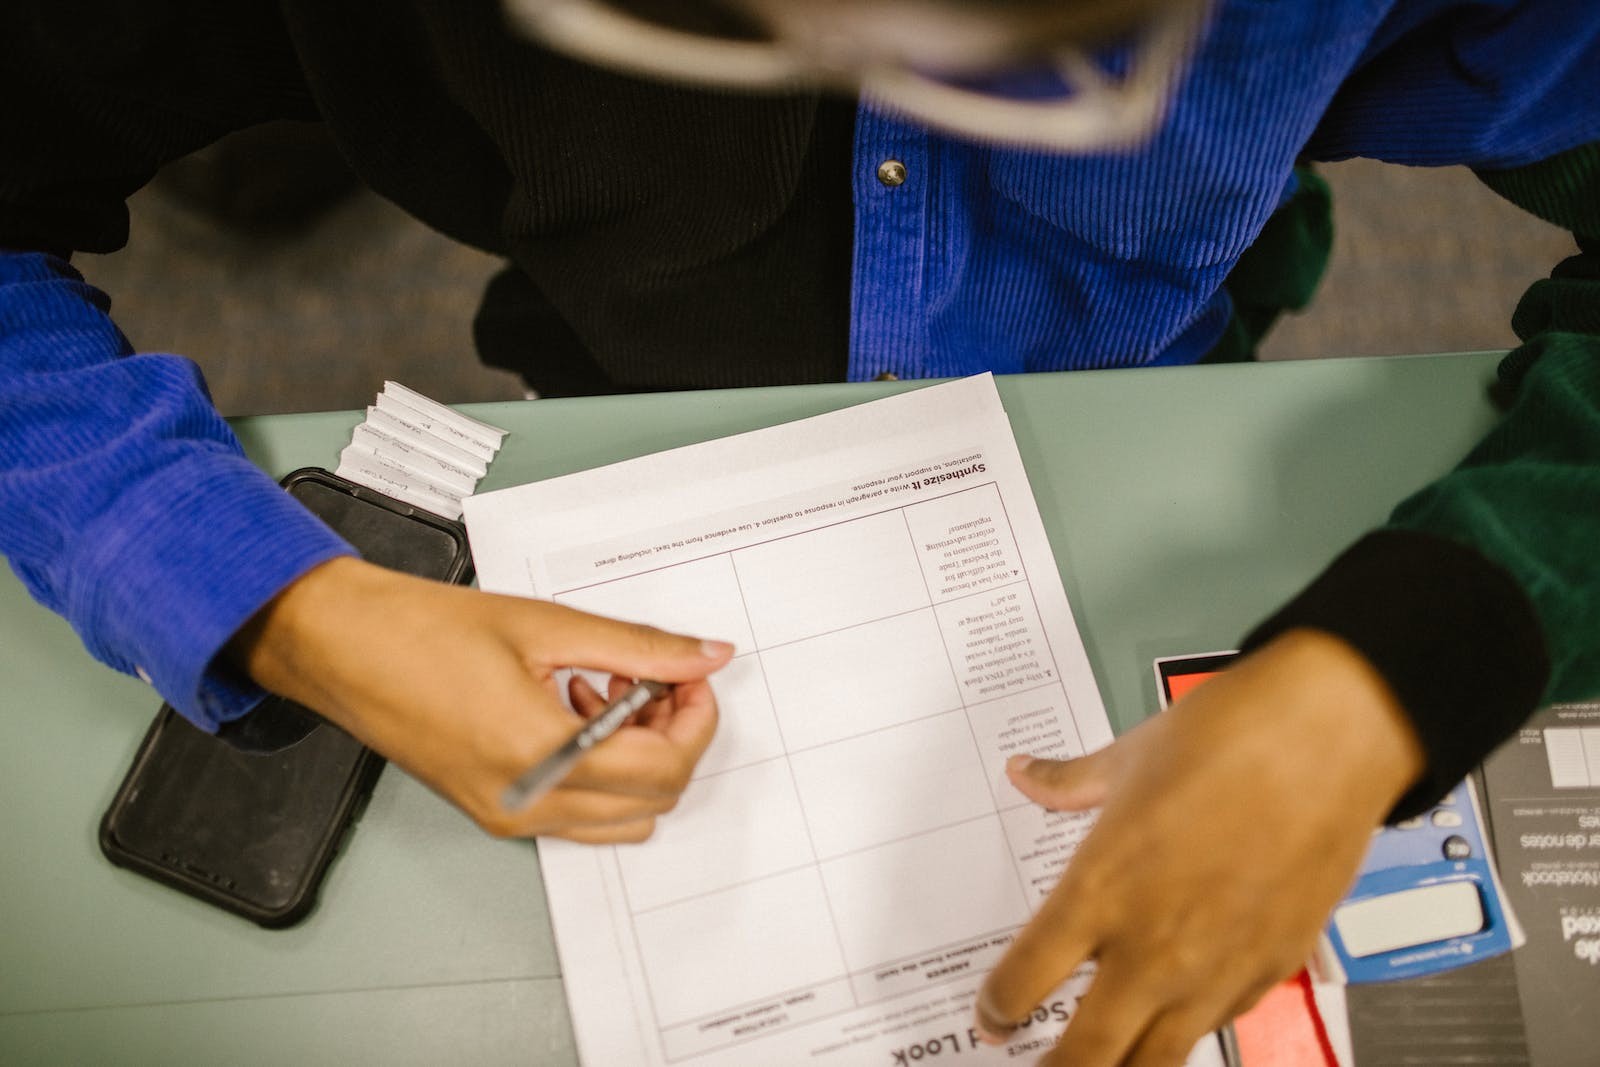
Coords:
459,688
1230,826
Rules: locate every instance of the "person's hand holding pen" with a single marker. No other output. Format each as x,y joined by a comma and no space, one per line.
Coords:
460,688
1229,828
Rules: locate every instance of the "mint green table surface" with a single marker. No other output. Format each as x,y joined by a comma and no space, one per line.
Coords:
1182,504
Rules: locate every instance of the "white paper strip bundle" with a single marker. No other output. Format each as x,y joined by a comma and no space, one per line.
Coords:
420,451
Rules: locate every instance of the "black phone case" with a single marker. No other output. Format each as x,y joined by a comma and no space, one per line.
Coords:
251,820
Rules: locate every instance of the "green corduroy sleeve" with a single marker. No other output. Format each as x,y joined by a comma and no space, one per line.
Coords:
1528,496
1480,599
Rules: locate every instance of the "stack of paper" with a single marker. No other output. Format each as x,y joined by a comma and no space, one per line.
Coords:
419,451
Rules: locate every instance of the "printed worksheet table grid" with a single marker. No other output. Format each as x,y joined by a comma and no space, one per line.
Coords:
894,654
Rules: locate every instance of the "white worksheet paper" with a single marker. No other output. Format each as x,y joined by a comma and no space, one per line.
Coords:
850,859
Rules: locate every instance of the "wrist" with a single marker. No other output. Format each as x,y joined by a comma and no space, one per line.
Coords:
1348,712
281,648
1453,633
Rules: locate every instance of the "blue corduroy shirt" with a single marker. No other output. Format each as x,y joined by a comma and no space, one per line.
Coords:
127,505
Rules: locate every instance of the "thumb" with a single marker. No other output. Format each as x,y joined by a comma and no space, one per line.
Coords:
571,638
1064,785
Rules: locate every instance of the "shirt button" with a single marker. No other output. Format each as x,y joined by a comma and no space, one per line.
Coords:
887,376
892,172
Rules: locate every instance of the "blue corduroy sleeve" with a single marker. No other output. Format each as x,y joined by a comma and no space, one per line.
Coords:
126,503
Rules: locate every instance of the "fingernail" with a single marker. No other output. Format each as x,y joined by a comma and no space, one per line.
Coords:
990,1030
716,649
1018,764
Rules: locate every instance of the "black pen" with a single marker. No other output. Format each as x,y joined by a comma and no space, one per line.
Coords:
543,776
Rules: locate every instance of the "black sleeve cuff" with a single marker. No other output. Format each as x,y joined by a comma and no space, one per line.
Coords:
1451,632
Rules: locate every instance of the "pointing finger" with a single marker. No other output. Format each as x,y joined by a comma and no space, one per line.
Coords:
1048,949
1111,1019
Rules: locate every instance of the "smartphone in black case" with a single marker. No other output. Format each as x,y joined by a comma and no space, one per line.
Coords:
251,820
